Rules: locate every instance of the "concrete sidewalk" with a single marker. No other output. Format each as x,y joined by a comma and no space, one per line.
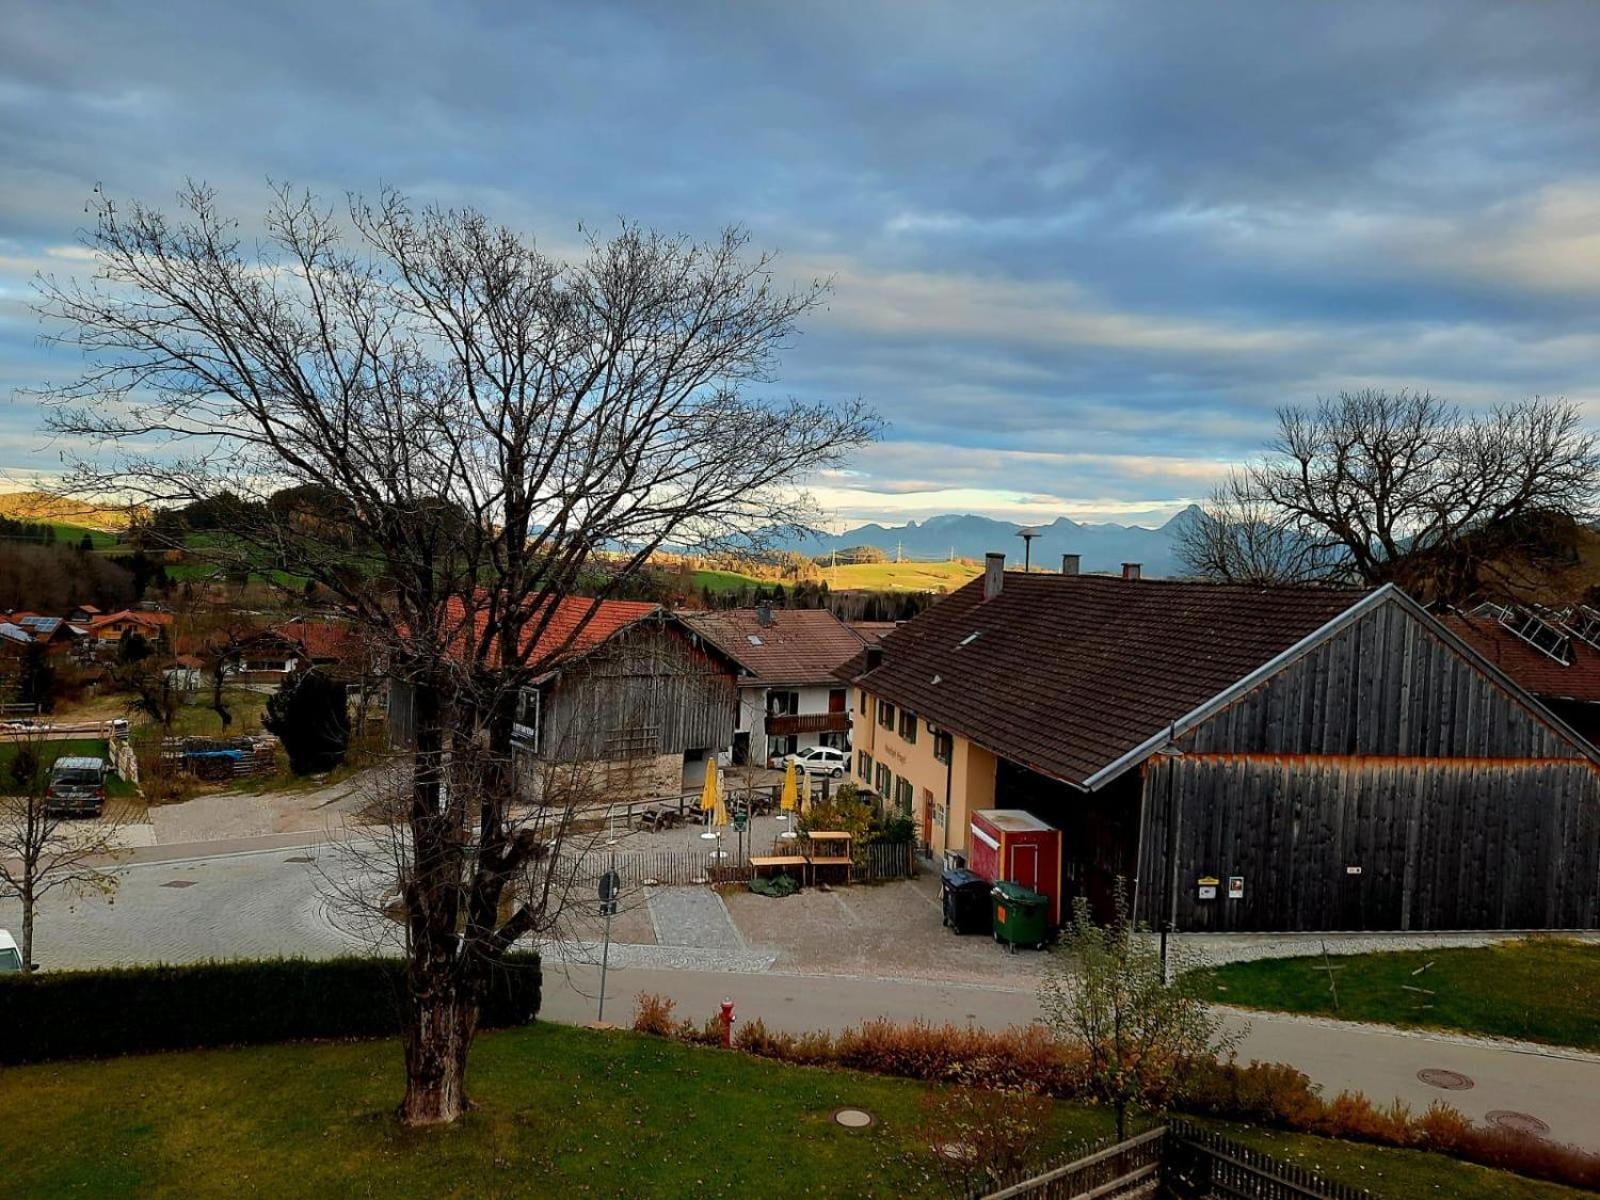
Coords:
1560,1087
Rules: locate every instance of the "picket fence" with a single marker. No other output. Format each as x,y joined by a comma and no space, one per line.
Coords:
1175,1161
648,868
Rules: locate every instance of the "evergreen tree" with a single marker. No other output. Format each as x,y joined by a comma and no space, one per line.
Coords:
310,714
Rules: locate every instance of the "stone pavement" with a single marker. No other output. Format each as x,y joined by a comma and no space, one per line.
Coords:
692,916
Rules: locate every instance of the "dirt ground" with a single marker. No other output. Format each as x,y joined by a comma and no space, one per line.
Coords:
242,814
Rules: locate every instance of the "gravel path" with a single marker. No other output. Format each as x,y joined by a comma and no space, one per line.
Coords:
692,916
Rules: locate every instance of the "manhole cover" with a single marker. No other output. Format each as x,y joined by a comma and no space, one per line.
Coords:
300,859
853,1118
1517,1122
178,883
1450,1081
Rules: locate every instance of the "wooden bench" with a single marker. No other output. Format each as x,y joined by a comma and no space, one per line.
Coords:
778,862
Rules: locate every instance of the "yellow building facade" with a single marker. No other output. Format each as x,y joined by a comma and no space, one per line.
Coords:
935,777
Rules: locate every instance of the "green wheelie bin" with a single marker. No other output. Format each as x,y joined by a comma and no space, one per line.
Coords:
1021,915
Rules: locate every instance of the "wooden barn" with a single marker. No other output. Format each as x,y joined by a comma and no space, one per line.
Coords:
1244,758
635,697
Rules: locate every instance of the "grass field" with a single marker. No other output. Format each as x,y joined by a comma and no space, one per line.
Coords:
883,577
1540,989
200,719
74,747
563,1112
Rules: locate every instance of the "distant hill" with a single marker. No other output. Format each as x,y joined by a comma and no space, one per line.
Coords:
43,507
1102,547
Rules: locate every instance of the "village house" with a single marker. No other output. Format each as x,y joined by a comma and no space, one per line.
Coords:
110,628
1244,758
636,698
301,644
790,697
1553,654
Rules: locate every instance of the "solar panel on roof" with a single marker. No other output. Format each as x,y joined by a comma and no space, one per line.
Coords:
1533,629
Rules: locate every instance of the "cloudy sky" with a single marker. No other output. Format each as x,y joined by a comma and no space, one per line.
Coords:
1079,250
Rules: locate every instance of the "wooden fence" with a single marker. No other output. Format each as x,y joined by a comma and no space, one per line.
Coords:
1128,1168
1200,1163
1178,1161
648,868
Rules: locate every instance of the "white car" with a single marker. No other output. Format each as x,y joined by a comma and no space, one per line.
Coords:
10,956
820,760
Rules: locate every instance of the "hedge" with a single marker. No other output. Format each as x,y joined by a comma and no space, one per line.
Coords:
129,1010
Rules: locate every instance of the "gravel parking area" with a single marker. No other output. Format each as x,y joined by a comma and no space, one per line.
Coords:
889,930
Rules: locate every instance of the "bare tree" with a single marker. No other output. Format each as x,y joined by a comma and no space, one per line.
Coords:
1241,538
1378,487
1106,992
470,424
41,851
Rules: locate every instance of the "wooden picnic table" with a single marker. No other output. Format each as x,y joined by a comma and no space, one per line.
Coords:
835,847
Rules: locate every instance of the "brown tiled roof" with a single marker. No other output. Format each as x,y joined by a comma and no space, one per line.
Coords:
801,646
1534,670
1067,673
872,631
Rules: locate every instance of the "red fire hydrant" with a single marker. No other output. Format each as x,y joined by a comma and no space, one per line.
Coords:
727,1019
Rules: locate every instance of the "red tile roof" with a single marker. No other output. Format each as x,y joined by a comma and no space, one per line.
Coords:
151,620
568,621
1533,669
1065,674
800,646
318,640
872,631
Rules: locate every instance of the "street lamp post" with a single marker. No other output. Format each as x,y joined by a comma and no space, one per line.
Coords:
1172,754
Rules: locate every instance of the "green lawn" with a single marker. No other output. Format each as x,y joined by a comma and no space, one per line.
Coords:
1543,989
727,581
199,719
563,1112
74,747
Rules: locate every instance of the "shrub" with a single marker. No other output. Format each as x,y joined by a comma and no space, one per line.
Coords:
1268,1093
85,1014
652,1014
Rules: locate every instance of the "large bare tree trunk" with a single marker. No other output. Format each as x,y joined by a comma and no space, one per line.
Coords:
439,1028
28,906
441,1004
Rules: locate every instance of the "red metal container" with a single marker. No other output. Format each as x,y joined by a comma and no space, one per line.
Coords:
1009,844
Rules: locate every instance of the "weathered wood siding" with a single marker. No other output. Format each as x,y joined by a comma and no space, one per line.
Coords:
650,691
1388,751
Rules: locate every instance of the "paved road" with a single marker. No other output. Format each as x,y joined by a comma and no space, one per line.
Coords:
177,906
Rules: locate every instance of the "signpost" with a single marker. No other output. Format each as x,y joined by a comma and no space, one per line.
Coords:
610,889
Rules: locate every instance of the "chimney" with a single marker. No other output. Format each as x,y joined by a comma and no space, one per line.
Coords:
1069,564
994,575
1130,570
874,657
764,614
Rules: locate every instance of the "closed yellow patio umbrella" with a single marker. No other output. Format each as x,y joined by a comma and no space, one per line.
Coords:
789,801
710,793
711,802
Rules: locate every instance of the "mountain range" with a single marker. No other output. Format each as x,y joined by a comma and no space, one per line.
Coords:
1103,547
